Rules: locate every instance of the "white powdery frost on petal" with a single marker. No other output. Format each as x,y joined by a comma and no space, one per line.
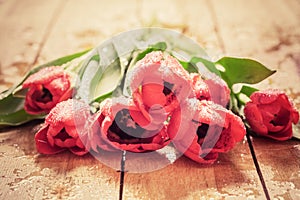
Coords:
121,100
192,104
158,67
68,112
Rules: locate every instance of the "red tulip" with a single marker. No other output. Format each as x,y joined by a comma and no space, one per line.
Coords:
63,129
211,88
203,129
121,125
270,113
46,88
159,81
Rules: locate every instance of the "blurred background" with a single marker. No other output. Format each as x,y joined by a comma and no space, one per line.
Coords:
36,31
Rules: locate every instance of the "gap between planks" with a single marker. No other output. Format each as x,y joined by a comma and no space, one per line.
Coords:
60,6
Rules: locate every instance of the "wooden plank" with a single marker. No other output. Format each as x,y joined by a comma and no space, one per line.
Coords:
5,7
22,171
88,26
234,175
280,164
62,176
266,37
268,31
26,174
23,28
191,18
23,25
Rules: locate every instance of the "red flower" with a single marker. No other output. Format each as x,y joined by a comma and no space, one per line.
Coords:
63,127
121,125
159,81
211,88
270,113
203,129
46,88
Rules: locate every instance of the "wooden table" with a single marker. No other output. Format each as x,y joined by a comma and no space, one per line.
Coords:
35,31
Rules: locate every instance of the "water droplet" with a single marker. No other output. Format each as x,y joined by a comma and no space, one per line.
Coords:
93,168
46,172
295,175
86,181
13,188
297,147
17,171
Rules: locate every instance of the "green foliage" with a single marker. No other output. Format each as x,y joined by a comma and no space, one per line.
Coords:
160,46
241,70
104,76
12,111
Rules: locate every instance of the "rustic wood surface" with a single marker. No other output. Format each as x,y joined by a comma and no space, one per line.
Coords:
35,31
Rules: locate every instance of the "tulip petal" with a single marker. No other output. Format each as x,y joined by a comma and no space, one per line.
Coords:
46,89
42,144
78,151
216,130
255,119
271,113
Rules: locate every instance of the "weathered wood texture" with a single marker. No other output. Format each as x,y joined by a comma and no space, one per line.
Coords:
234,175
35,31
270,32
24,26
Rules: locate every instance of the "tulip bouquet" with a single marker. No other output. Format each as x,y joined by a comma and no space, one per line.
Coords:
145,90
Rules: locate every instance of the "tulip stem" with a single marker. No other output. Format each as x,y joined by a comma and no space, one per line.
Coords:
254,158
123,159
261,178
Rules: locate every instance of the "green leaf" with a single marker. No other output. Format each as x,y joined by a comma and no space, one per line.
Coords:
241,70
191,66
12,112
20,92
106,81
208,64
188,66
62,60
137,54
56,62
160,46
233,103
247,90
11,105
103,97
17,118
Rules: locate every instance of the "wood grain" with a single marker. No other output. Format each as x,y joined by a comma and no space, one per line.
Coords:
234,176
280,165
26,174
274,41
23,27
34,176
86,26
248,29
34,32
